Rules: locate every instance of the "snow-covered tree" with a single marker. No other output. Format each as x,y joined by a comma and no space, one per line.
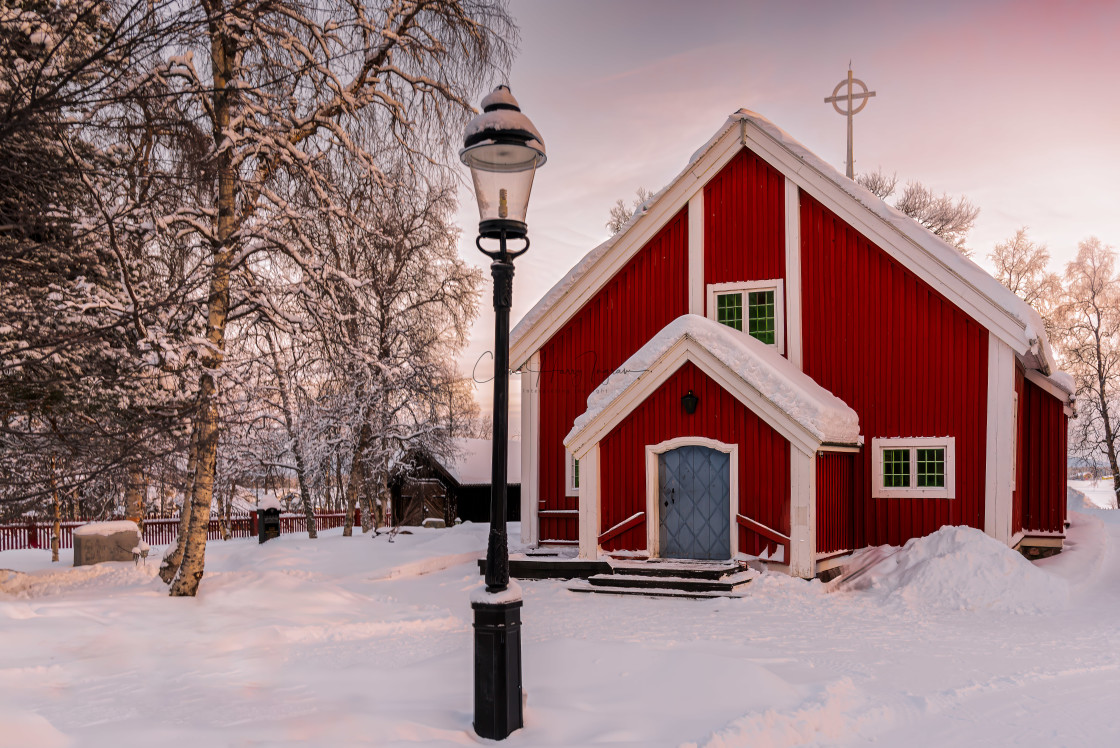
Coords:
402,304
622,212
282,85
90,361
1023,267
951,220
1089,323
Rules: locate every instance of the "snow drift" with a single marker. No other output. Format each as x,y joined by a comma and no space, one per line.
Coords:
960,568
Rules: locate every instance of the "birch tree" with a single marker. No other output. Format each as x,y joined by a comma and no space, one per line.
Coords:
1089,324
1023,266
405,301
280,85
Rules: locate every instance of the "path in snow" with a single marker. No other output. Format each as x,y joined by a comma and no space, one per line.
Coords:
353,641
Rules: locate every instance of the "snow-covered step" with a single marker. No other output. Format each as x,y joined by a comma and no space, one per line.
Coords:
586,586
679,584
677,568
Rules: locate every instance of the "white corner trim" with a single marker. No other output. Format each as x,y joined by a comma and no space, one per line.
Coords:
696,253
686,349
793,274
889,238
530,448
802,509
776,285
998,478
589,504
913,444
671,201
653,502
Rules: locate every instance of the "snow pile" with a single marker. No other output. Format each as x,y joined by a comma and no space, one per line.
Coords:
823,414
961,568
107,528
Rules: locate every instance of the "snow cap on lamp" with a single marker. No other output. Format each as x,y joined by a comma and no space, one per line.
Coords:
503,150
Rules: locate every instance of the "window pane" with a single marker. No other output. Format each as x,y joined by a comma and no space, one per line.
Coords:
931,468
729,310
575,473
896,468
760,315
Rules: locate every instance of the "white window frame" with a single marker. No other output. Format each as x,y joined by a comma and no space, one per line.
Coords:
744,287
879,491
570,489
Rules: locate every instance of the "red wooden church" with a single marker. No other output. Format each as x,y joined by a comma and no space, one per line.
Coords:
768,361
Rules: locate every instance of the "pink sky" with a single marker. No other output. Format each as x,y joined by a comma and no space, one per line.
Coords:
1013,104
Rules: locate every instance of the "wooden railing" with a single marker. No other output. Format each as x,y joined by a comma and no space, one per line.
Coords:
163,531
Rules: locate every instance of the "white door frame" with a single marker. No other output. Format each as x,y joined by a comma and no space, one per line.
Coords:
653,502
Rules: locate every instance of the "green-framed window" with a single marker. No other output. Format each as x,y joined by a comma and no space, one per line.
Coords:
755,311
729,309
896,468
931,468
917,467
761,318
575,473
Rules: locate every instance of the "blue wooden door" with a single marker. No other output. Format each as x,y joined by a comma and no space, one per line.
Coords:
694,490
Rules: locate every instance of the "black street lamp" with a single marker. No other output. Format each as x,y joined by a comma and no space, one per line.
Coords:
503,151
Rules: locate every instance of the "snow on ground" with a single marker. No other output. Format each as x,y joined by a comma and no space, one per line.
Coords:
358,641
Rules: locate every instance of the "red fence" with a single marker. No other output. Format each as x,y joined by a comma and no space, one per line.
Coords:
162,531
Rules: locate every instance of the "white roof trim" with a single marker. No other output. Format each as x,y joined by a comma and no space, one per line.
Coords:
1060,387
786,398
956,277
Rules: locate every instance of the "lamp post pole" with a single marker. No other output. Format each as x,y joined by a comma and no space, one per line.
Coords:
497,547
503,150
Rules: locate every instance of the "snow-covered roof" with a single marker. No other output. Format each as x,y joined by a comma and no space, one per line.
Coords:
473,457
759,366
269,502
962,274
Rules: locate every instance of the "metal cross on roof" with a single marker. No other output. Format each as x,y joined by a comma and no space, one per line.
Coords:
851,97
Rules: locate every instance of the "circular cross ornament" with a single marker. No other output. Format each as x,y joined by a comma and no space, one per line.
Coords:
850,96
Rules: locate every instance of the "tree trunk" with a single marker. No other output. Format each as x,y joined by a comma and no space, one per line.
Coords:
170,564
1106,416
194,546
223,49
134,496
355,486
56,528
225,510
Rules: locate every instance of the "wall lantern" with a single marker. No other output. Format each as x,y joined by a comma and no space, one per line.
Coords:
503,150
690,401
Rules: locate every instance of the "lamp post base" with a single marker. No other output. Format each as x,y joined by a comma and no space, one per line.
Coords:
497,668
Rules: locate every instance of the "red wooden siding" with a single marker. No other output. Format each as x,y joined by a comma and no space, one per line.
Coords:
764,485
1020,447
1041,463
835,474
904,358
643,297
744,222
